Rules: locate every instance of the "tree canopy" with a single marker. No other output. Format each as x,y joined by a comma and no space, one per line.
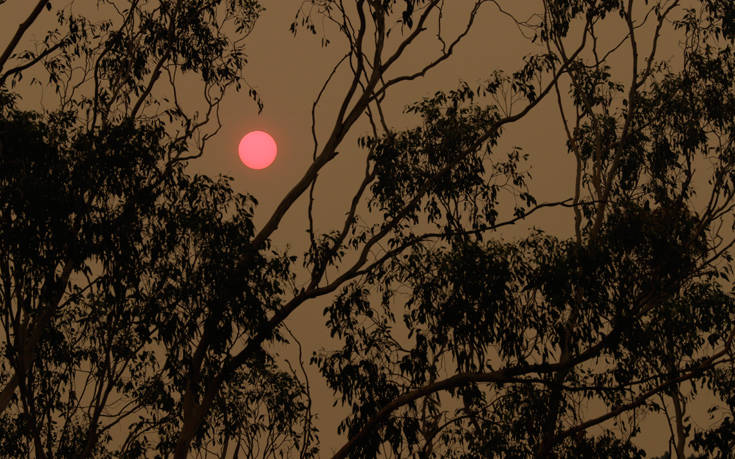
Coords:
142,309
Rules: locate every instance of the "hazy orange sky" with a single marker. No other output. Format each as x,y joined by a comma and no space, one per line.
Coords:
288,72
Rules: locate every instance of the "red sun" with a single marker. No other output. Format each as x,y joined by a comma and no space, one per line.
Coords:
257,150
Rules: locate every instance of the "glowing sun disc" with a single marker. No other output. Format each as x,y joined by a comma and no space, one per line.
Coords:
257,150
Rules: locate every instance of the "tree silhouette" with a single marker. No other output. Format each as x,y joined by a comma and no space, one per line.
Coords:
138,297
107,245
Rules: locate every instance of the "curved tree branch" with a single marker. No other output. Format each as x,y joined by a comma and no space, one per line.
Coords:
22,28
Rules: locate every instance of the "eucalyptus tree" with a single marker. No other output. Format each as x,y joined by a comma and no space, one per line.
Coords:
508,342
122,319
371,58
145,328
109,248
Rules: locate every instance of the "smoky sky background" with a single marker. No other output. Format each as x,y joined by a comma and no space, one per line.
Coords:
288,72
